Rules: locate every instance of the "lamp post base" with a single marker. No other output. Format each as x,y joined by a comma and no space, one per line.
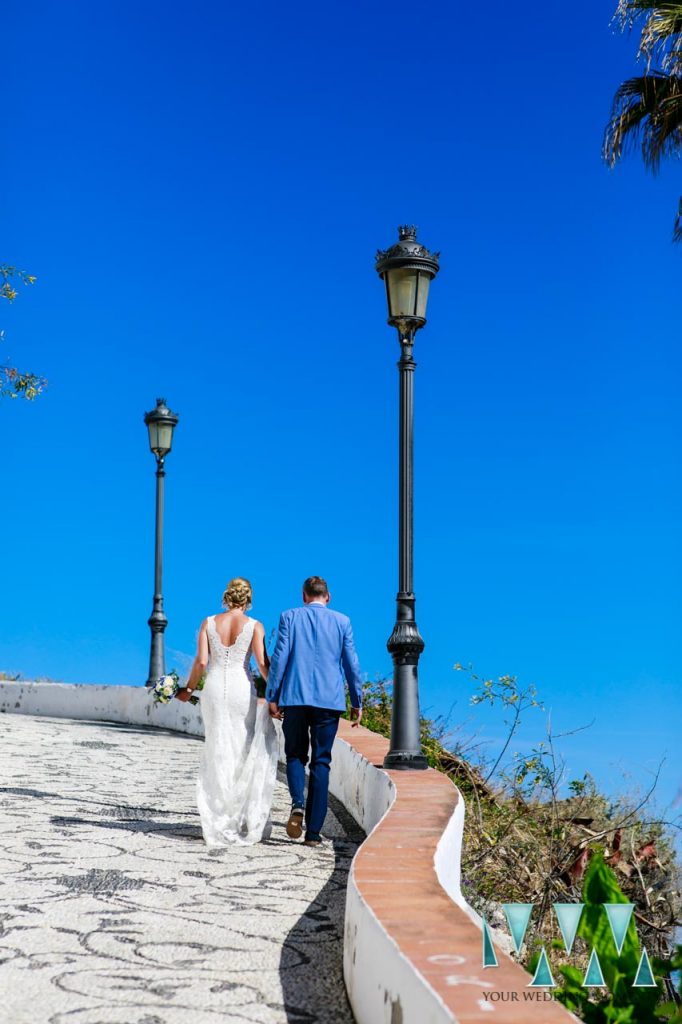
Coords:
405,760
405,645
157,622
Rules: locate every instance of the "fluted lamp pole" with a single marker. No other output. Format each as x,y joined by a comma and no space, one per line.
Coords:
407,269
161,423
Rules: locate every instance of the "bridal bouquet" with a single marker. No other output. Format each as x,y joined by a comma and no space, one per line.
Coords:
167,686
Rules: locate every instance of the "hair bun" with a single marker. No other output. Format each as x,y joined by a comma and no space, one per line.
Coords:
238,593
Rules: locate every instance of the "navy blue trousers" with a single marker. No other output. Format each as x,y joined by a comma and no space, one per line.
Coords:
310,732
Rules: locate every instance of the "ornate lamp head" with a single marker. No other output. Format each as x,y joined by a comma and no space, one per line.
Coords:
407,269
160,423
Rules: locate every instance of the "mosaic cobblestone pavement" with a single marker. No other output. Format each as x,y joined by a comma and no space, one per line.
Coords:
113,911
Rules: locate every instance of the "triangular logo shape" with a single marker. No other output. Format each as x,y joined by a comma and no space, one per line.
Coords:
518,916
568,915
594,977
489,955
645,976
543,974
619,915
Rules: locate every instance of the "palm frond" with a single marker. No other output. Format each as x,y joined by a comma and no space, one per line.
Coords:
661,35
672,61
649,108
628,11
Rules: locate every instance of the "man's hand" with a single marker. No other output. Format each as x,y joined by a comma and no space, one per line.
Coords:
355,717
274,710
184,694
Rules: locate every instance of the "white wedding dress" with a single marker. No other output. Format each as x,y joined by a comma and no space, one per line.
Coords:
238,764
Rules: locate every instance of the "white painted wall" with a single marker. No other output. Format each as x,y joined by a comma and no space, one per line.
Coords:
130,704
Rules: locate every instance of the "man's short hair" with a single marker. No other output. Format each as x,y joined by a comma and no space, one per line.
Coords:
315,586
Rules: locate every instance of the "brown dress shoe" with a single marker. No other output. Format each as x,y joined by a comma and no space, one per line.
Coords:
295,823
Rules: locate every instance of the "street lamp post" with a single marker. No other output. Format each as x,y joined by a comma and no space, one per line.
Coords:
160,424
407,269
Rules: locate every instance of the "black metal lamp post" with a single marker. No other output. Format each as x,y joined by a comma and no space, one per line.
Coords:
160,424
407,269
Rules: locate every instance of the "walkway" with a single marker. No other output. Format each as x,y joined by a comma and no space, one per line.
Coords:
112,910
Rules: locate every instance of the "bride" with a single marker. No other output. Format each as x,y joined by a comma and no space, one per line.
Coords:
238,762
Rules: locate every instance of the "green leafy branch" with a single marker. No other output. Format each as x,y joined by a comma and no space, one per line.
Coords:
621,1003
504,691
15,383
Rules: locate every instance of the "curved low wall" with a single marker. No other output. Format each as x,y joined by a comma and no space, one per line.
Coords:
412,947
130,704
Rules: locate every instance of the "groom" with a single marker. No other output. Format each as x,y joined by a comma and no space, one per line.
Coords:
313,652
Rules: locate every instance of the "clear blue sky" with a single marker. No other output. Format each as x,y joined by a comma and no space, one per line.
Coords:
200,192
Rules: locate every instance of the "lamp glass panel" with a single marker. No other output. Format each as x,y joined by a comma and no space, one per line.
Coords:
153,429
422,294
402,292
164,436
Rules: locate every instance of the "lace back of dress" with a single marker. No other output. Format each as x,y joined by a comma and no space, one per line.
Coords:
237,653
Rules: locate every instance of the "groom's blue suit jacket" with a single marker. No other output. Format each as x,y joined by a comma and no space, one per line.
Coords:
313,652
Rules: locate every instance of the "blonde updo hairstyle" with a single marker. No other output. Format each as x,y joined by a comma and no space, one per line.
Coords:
238,594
